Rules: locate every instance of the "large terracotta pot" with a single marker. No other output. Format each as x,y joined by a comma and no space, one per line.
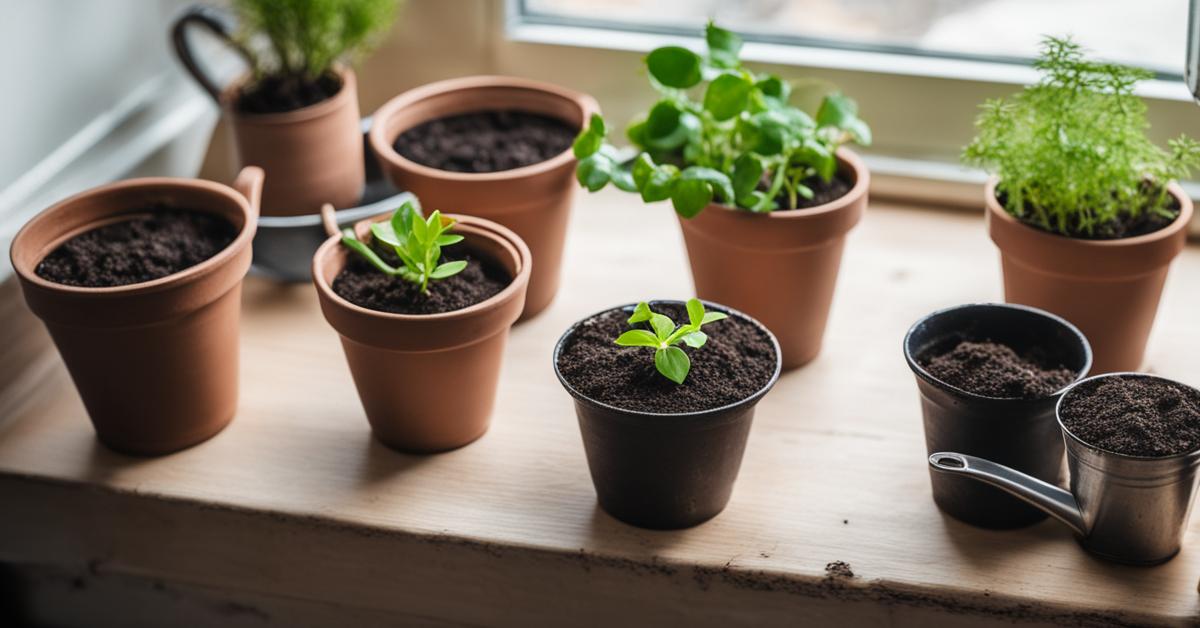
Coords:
312,155
427,382
156,363
1108,288
780,267
534,201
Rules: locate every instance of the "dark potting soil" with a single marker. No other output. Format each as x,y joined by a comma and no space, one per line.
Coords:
362,284
280,93
1136,416
994,370
823,192
486,141
144,248
736,362
1123,226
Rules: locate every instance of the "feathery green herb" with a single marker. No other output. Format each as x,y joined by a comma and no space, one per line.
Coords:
669,359
1071,151
742,143
418,243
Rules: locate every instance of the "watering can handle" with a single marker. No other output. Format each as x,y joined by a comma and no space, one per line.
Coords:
1053,500
216,22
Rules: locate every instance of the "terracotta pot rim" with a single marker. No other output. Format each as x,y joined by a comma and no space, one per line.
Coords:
921,372
382,145
862,181
229,98
749,400
1058,417
480,226
1181,221
189,274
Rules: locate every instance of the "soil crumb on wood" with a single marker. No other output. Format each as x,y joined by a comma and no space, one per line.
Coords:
486,141
994,370
838,569
1136,416
736,362
362,284
146,247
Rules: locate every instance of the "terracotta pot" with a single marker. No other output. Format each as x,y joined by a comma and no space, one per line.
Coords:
1108,288
156,363
311,155
664,471
427,382
534,201
780,267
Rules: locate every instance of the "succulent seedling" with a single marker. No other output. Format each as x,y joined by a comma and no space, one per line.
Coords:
418,243
743,144
669,359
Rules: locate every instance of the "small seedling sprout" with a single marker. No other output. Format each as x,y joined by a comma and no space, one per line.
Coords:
669,359
418,243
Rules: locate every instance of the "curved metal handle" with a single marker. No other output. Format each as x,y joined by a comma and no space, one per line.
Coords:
1053,500
216,22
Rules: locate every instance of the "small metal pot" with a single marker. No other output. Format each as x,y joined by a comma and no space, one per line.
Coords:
1020,433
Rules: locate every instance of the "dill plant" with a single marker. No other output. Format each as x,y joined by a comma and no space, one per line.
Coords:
1071,152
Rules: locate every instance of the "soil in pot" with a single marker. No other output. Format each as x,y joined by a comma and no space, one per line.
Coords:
736,362
1123,226
146,247
823,192
992,369
362,284
1135,416
277,94
486,141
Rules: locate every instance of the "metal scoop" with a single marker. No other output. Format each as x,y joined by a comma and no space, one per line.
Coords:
1124,508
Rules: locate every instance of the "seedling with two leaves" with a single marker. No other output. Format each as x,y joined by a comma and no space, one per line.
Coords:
418,243
669,359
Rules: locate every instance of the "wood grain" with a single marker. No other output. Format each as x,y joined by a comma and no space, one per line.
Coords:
296,501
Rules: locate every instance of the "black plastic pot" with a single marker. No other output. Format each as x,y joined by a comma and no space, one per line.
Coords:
1018,433
664,471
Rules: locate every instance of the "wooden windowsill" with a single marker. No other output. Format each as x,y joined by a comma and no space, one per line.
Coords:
296,509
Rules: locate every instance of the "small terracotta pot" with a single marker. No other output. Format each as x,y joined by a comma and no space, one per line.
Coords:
534,201
664,471
156,363
427,382
1108,288
780,267
311,155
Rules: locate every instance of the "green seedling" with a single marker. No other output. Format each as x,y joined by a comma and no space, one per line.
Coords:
1071,151
741,143
669,359
418,243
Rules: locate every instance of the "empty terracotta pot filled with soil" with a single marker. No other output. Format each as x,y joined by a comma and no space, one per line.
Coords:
495,147
405,347
787,260
662,454
989,376
139,284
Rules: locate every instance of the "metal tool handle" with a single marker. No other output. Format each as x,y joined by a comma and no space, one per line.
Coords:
1053,500
214,21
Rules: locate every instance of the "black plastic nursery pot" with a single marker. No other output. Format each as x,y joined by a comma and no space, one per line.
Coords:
1018,433
664,471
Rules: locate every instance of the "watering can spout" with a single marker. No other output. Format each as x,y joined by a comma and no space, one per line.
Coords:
1055,501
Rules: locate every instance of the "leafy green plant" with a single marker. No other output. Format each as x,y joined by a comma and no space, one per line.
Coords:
417,242
1071,151
305,38
741,143
669,359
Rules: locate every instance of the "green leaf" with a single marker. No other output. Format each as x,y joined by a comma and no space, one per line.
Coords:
586,144
594,171
817,155
637,338
690,196
640,313
695,339
420,228
673,363
402,219
660,184
837,110
859,131
723,46
663,128
695,310
663,325
727,96
804,191
719,181
712,317
447,240
674,66
354,244
747,172
384,232
643,167
774,87
448,269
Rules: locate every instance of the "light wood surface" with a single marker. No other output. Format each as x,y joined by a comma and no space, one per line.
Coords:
295,501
